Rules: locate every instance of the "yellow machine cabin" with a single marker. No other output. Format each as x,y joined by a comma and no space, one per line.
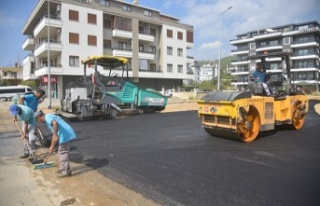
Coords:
243,115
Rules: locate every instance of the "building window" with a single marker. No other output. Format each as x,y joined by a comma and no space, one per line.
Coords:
169,33
180,35
153,67
107,24
153,32
107,44
92,19
73,38
274,43
169,67
147,13
73,15
180,52
153,49
123,45
303,39
126,8
286,40
169,50
122,23
263,44
141,48
104,2
303,64
74,61
303,52
190,36
180,69
92,40
252,45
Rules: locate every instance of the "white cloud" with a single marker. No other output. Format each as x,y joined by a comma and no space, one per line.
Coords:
210,45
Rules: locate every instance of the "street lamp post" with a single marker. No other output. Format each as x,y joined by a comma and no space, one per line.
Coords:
49,72
219,66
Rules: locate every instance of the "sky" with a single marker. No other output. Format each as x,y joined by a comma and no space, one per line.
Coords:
204,15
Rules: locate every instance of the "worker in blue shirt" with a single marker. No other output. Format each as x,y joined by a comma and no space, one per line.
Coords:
32,100
25,114
260,76
63,133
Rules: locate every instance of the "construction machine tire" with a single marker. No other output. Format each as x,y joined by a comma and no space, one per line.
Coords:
298,118
249,130
246,131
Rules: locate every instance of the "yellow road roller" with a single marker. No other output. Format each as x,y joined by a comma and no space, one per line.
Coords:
242,115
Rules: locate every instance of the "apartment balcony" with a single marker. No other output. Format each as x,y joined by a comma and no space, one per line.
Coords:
28,44
28,59
190,45
269,47
41,50
241,41
190,60
122,34
305,56
146,37
268,35
122,52
240,61
299,44
41,30
240,51
311,68
146,55
240,72
54,70
301,31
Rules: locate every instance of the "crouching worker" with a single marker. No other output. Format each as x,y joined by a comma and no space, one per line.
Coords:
25,114
62,132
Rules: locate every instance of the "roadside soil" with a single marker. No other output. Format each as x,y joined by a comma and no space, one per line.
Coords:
21,185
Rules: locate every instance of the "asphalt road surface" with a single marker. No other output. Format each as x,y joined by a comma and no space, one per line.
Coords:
169,158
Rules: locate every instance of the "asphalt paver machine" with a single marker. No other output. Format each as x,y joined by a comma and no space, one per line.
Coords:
242,115
106,96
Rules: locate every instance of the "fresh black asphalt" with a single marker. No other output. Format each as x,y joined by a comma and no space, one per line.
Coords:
169,158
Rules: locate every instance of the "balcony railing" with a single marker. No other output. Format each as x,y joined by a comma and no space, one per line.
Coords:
150,70
304,41
46,41
240,49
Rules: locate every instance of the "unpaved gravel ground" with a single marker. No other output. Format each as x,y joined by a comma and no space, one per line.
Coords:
21,185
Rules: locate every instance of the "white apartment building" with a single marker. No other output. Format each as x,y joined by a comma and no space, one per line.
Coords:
155,44
301,39
207,72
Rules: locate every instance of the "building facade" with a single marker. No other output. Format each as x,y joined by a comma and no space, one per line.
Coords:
302,40
11,76
155,44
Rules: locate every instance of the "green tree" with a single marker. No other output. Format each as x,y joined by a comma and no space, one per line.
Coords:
31,84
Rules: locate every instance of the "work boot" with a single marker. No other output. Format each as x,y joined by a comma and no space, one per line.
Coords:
30,157
62,175
25,155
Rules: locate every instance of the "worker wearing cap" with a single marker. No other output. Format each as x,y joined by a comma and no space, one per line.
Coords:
32,100
25,114
62,132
